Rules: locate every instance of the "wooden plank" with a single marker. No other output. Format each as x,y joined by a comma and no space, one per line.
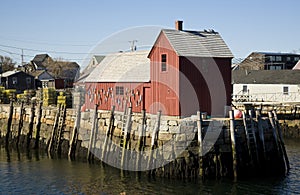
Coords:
126,136
233,145
89,154
281,142
9,121
20,126
74,137
108,133
38,125
199,128
30,126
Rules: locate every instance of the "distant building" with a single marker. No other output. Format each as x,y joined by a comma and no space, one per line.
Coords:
39,62
95,61
18,80
266,86
43,79
269,61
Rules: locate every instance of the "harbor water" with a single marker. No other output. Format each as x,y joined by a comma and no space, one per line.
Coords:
32,173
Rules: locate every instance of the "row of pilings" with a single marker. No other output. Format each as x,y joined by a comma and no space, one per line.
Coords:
196,148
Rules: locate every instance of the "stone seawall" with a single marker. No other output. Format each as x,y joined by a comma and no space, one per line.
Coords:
160,145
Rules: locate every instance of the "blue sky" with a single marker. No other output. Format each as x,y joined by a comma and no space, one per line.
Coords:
74,28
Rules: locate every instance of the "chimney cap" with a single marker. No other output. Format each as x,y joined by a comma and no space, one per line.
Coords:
178,24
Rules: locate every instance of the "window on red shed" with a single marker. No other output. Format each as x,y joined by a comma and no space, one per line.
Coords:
164,62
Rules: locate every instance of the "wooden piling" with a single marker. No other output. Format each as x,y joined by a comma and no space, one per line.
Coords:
233,145
281,142
74,137
254,136
54,129
154,140
38,125
30,126
141,140
89,154
108,132
270,114
199,128
126,137
9,122
20,126
261,132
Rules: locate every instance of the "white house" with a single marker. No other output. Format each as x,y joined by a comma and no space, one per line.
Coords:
266,86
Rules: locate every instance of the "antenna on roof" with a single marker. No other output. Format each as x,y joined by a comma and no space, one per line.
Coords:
133,46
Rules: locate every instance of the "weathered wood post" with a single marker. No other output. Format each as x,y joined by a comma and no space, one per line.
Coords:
261,132
141,142
108,132
281,142
30,126
89,154
51,140
154,139
9,121
270,114
38,125
74,137
233,145
20,126
199,128
126,136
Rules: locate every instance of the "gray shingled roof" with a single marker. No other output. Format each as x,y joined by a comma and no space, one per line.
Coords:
122,67
198,43
266,77
40,57
9,73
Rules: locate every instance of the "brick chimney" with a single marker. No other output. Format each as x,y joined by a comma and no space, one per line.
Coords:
178,25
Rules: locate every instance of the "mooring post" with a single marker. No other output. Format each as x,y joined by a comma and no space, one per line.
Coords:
286,159
9,121
108,132
154,139
38,125
233,144
51,140
270,114
199,128
89,154
261,132
30,126
74,137
126,136
141,143
20,126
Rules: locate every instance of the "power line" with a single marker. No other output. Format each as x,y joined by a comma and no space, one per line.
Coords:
47,43
47,51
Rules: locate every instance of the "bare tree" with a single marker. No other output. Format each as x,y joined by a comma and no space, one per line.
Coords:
6,64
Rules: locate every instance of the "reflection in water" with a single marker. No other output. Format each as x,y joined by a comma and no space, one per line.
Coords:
34,173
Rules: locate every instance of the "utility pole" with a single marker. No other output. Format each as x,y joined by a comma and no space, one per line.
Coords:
22,57
133,47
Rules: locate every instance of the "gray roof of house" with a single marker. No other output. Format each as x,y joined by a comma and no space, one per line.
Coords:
40,57
122,67
277,53
198,43
99,58
266,77
9,73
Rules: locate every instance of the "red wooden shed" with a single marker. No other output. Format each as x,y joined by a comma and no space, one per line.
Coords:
185,71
